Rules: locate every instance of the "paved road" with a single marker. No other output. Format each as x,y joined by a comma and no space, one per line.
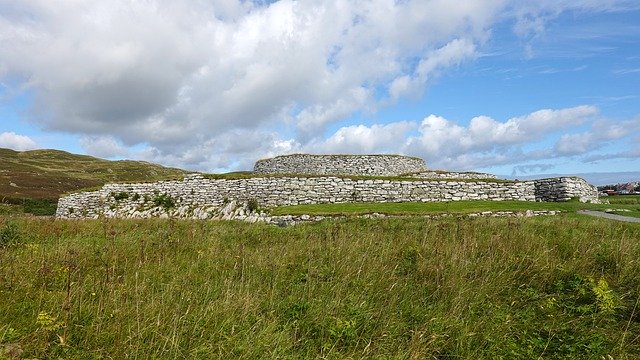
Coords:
609,216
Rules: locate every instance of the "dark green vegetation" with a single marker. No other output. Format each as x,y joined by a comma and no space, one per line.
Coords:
453,207
513,288
33,180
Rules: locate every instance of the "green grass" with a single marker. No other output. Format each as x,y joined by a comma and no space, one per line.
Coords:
45,174
633,213
553,288
11,209
455,207
627,202
624,199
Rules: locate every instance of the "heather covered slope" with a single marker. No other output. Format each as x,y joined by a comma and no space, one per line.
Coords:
45,174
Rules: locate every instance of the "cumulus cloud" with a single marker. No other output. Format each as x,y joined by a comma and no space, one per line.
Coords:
166,74
361,139
482,141
233,150
17,142
181,78
103,147
441,137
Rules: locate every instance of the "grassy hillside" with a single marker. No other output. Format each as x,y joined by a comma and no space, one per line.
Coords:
564,287
45,174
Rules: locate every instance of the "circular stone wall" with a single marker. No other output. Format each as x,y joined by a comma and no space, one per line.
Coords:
371,165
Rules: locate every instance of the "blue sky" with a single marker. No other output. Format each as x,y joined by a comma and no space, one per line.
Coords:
548,87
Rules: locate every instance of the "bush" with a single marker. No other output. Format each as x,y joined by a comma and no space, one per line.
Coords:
252,205
40,207
164,200
120,196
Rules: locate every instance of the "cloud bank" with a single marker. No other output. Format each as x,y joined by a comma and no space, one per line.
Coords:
217,84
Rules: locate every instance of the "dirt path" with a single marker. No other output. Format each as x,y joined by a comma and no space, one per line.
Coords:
609,216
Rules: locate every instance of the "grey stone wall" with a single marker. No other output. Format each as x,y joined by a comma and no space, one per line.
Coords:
372,165
195,196
564,189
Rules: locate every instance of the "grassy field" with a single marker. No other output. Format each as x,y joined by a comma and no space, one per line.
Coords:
455,207
45,174
513,288
624,199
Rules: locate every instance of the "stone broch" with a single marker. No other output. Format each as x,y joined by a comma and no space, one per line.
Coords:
313,179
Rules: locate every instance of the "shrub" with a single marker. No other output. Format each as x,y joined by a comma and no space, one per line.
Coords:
40,207
252,205
120,196
164,200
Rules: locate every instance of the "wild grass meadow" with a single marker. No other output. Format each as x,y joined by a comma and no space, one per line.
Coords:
510,288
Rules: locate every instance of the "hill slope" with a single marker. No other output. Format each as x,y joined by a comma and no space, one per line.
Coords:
45,174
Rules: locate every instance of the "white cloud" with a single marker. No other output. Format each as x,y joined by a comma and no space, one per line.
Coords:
182,73
103,147
216,84
17,142
453,53
600,134
441,137
482,142
233,150
361,139
532,17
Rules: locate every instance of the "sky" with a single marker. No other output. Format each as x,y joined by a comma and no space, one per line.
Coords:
507,87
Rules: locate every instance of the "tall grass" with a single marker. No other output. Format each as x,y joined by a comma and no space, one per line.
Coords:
560,288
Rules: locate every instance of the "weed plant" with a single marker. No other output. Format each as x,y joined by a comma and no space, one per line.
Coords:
513,288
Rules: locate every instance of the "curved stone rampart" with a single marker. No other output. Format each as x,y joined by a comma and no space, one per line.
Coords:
195,195
371,165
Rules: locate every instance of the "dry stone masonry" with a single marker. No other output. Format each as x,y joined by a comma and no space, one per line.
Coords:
565,189
200,197
364,165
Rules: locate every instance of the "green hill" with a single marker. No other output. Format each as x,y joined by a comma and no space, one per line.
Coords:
45,174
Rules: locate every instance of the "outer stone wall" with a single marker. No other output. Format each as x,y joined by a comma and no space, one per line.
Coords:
564,189
372,165
197,196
